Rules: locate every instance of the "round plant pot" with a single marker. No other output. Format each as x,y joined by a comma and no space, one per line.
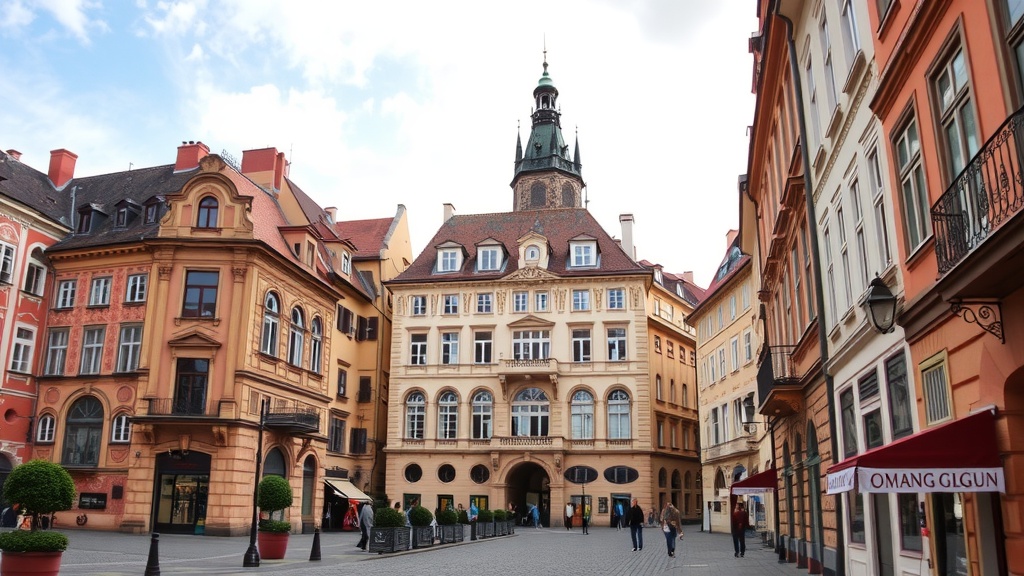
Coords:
30,563
272,545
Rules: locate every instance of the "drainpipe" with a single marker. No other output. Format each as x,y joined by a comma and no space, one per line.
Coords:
819,296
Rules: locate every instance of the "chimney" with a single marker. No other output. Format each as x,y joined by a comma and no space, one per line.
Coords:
265,167
688,276
14,154
332,212
449,211
189,155
730,237
626,221
62,167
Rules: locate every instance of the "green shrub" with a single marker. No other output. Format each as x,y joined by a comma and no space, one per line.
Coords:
40,541
485,515
420,516
274,526
500,515
463,517
388,517
447,517
275,494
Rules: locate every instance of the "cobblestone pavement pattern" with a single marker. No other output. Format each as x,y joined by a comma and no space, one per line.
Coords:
533,552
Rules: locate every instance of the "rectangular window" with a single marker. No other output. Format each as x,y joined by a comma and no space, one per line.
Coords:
151,211
580,300
669,348
540,301
617,299
520,301
92,350
35,279
531,344
830,76
716,431
488,259
449,348
732,307
418,349
365,390
6,263
815,117
844,256
56,352
136,288
482,345
830,274
21,357
959,129
911,521
936,392
913,190
449,261
863,268
657,344
851,39
336,435
745,295
99,294
855,502
342,383
848,419
200,294
734,349
582,255
661,434
878,200
484,303
581,345
419,305
721,362
357,441
451,303
121,429
616,344
900,400
748,346
66,294
130,348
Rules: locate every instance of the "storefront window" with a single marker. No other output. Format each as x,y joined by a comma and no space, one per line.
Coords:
855,501
911,520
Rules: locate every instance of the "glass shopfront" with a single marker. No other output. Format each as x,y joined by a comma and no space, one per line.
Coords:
182,489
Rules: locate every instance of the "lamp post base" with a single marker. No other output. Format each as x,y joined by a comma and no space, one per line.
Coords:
252,557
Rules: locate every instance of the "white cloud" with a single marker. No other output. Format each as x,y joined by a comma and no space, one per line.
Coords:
175,18
196,54
72,15
14,15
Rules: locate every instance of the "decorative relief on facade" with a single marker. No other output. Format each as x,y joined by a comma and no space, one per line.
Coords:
400,306
220,436
8,233
119,454
239,272
124,394
52,395
530,273
635,296
433,304
467,297
559,296
598,298
164,272
10,450
499,300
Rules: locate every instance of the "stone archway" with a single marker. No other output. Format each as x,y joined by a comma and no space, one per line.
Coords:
528,484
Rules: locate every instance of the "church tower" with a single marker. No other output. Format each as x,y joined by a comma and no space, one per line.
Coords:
545,175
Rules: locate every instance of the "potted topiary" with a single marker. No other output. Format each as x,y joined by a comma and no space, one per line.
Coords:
389,533
485,523
422,531
40,488
451,530
275,493
500,526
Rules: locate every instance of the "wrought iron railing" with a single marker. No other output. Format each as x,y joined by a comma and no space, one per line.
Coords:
987,192
776,368
293,416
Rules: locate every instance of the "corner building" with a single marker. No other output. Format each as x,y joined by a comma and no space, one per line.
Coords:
520,370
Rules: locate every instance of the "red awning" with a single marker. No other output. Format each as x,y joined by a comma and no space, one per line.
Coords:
758,483
959,456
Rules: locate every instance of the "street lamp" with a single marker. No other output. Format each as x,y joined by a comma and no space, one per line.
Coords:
881,305
252,555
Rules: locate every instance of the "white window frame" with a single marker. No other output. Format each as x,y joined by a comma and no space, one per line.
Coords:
484,303
316,345
451,304
616,298
483,347
584,254
7,252
938,400
99,291
540,301
66,293
418,349
120,429
913,185
46,429
734,349
531,344
418,306
35,278
136,288
448,416
488,259
92,349
582,345
448,260
450,348
748,346
415,416
617,348
580,300
520,301
129,348
56,351
22,351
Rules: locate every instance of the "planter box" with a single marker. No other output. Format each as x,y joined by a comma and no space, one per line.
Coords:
500,528
485,529
422,536
389,539
272,545
450,534
30,563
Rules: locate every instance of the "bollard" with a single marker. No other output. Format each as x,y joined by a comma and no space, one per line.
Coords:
314,554
153,563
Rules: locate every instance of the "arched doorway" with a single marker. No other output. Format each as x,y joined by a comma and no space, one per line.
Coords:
274,465
528,485
182,488
308,492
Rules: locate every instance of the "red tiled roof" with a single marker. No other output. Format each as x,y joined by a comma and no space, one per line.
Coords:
366,235
558,226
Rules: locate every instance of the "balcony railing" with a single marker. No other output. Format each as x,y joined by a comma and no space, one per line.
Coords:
988,192
293,418
776,368
180,407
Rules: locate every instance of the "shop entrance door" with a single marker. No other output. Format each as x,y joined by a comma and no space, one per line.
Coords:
182,490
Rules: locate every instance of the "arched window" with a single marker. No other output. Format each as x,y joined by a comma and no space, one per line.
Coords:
483,411
662,478
687,480
83,433
207,213
415,415
788,474
45,429
448,416
316,345
530,413
618,416
271,324
273,465
308,484
582,415
568,196
120,429
538,195
295,337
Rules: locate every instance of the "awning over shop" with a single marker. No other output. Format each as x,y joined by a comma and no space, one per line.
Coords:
960,456
757,484
343,487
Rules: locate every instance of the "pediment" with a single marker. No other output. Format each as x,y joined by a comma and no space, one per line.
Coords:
530,321
193,339
530,273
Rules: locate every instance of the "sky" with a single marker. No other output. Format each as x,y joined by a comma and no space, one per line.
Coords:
390,102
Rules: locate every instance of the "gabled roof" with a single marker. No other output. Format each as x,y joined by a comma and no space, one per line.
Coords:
368,236
691,293
733,261
313,211
557,225
32,188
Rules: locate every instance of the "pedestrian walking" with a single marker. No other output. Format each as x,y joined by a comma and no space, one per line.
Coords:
586,518
636,525
740,523
671,527
618,516
568,515
535,514
365,523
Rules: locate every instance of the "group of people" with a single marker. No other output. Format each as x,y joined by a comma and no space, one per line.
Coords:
671,526
570,513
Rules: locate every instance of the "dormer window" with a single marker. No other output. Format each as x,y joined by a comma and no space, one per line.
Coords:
84,222
657,276
679,290
488,259
448,260
584,254
346,263
207,213
532,253
121,219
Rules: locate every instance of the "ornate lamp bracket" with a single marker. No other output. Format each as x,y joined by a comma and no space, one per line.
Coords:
988,314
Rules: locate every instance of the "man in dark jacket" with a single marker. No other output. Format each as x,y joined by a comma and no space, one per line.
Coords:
739,529
365,523
636,525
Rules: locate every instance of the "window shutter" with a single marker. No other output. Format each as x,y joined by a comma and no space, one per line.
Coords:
364,389
361,329
371,328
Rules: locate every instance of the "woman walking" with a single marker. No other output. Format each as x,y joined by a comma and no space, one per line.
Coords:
670,525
